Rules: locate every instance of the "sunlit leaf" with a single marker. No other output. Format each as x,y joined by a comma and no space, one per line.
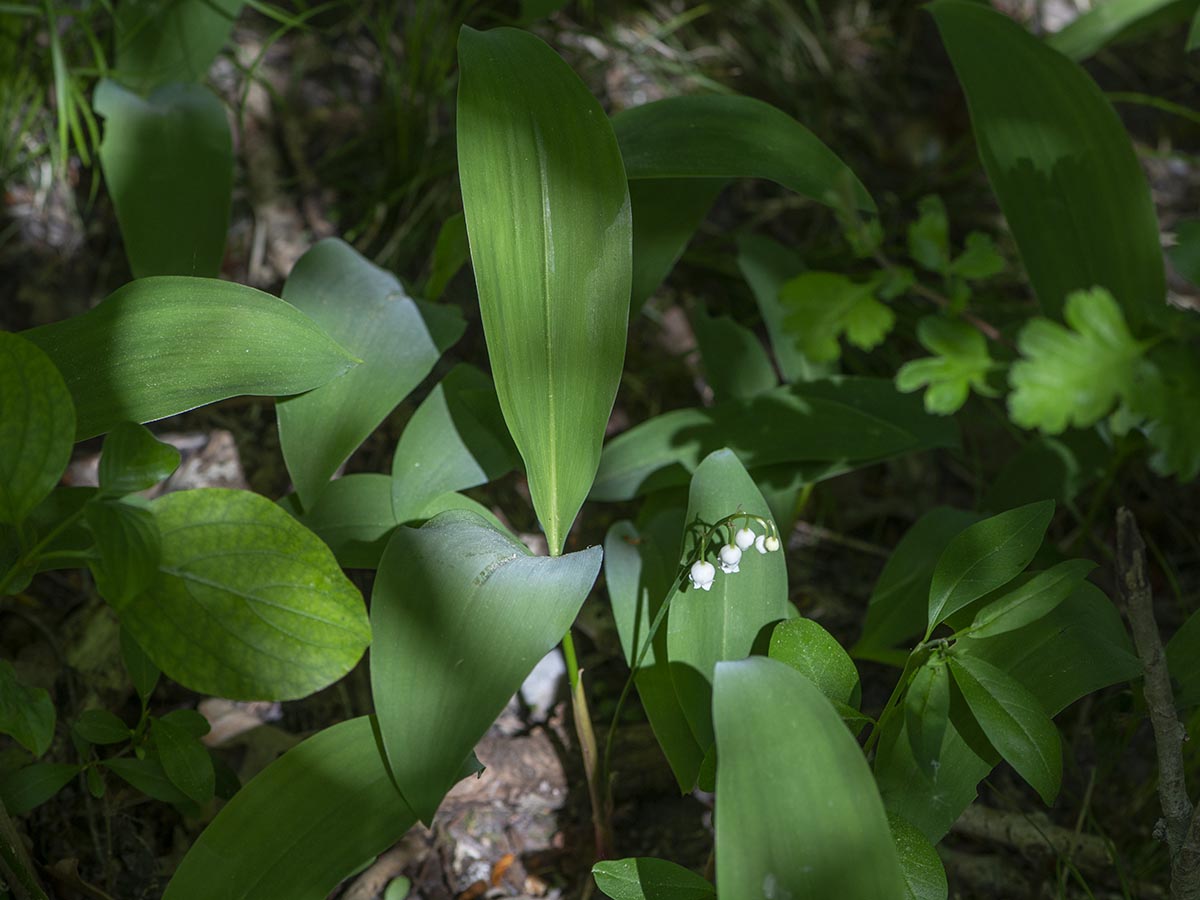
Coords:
815,653
645,878
961,364
133,460
1031,600
824,306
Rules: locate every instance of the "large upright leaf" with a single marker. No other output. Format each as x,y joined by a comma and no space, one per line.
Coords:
547,208
248,604
168,165
161,41
366,310
161,346
304,823
1060,162
666,213
461,613
799,814
37,427
735,363
706,627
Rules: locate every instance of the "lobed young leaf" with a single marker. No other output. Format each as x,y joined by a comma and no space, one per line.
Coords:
825,305
929,236
961,363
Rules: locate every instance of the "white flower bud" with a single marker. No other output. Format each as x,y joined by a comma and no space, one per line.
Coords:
760,543
744,539
702,575
771,543
730,556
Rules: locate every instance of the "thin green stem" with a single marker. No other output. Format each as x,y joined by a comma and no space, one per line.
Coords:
33,551
893,702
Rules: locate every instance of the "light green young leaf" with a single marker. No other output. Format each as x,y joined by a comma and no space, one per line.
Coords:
985,556
130,547
184,760
735,364
962,362
26,713
1032,600
161,346
815,653
133,460
37,427
929,236
783,750
548,216
980,259
924,874
645,878
822,306
366,310
927,713
248,604
1073,376
168,166
162,41
1014,721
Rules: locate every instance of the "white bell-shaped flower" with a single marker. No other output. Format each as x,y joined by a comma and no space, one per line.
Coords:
760,543
771,543
744,538
702,574
730,556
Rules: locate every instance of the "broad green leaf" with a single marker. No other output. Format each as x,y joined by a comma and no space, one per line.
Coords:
461,614
899,605
160,41
1060,163
767,266
168,165
639,567
547,208
724,136
188,721
735,364
263,844
1183,650
1165,395
1106,22
1013,720
706,627
797,798
99,726
823,306
985,556
142,672
646,878
961,362
248,604
929,236
456,439
133,460
30,787
26,713
184,760
161,346
37,427
924,874
366,310
927,712
1032,600
1073,376
1185,255
149,777
59,518
666,213
450,254
815,653
130,548
980,259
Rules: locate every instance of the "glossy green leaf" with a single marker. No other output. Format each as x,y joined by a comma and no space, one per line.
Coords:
646,878
1106,22
456,439
846,421
823,306
547,208
26,713
461,614
666,213
161,346
31,786
899,604
366,310
927,712
160,41
99,726
263,845
142,672
797,798
1182,652
133,460
450,254
1013,720
130,548
248,604
960,364
815,653
168,165
985,556
706,627
1031,600
735,364
924,874
1060,163
37,427
149,777
184,760
724,136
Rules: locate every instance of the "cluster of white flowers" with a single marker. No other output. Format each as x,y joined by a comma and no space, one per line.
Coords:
703,573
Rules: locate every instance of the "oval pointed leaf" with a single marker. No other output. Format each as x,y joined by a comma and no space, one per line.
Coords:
646,878
30,787
924,874
797,798
366,310
1032,600
815,653
161,346
666,213
99,726
1060,163
927,713
184,760
37,427
130,548
985,556
134,460
27,713
158,43
547,208
461,614
248,604
735,363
